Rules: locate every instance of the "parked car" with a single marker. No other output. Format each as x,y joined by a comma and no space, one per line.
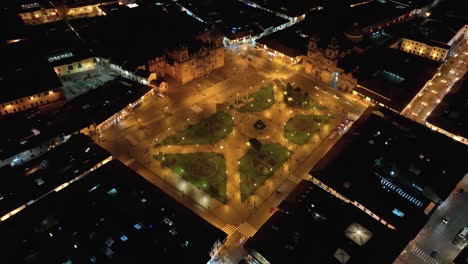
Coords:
461,236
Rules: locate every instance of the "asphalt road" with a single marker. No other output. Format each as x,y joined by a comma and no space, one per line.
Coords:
439,236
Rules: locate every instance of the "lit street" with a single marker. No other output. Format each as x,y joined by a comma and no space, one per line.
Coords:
432,93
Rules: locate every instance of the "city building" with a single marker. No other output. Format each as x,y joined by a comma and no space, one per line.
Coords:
322,64
394,79
35,12
189,50
450,117
392,168
428,49
85,8
239,22
110,215
22,185
31,134
313,225
27,80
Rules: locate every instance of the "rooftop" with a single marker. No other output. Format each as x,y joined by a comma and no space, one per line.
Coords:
236,18
19,61
292,41
451,114
93,107
121,35
33,179
402,167
314,225
111,215
395,77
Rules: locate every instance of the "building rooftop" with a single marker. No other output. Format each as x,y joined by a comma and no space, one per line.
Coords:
93,107
451,14
289,8
121,35
96,106
311,224
451,114
23,73
292,41
236,18
395,77
394,167
112,215
35,178
431,32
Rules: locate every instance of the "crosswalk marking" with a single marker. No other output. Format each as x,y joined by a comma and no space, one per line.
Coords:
229,229
295,179
246,229
426,258
227,260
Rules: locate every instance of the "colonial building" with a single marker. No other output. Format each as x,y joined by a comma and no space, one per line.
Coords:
430,50
322,65
187,62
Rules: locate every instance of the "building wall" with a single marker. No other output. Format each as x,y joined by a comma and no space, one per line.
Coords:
423,50
34,100
87,10
75,67
40,16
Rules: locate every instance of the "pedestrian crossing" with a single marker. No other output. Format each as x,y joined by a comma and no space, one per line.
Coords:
229,229
426,258
246,229
227,260
353,116
295,179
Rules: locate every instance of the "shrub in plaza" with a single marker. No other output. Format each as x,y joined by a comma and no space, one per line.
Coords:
259,101
301,128
255,167
207,171
208,131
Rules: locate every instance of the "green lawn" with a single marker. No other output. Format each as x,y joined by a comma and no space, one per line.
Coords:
256,167
301,128
294,97
260,100
207,171
208,131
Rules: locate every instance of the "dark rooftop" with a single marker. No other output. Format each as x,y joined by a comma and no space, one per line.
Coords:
112,215
313,225
292,41
452,14
236,18
452,112
391,164
33,179
93,107
96,106
395,77
23,73
121,35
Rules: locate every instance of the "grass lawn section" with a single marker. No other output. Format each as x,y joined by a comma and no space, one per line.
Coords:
207,171
208,131
295,98
256,167
260,100
301,128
